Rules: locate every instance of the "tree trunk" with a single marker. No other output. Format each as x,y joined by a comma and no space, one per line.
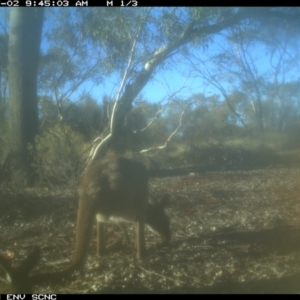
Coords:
23,58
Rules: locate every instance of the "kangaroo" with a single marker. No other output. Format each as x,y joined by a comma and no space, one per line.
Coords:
155,211
16,280
112,190
115,189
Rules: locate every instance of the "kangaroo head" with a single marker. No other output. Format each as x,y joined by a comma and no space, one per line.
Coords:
156,217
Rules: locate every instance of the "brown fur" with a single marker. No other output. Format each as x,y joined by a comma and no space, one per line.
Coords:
117,188
111,188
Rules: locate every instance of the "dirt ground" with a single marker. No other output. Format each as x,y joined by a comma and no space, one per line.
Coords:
232,232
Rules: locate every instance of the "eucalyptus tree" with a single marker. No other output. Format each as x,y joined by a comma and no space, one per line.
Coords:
132,46
170,32
3,77
23,52
92,44
251,57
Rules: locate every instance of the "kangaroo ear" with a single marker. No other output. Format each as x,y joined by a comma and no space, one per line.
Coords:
16,279
32,259
4,275
5,269
152,199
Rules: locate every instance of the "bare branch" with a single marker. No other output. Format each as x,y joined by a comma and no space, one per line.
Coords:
95,150
149,124
170,97
104,143
214,81
123,80
193,30
169,138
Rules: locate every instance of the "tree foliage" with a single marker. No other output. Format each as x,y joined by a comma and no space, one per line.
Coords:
117,52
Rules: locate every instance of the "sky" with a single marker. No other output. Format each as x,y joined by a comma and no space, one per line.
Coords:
167,82
162,84
174,81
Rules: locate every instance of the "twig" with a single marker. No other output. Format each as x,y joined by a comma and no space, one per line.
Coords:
169,138
152,272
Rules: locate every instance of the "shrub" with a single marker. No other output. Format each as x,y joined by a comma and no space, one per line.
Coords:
58,154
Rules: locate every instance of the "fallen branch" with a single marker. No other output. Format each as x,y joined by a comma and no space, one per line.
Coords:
152,272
